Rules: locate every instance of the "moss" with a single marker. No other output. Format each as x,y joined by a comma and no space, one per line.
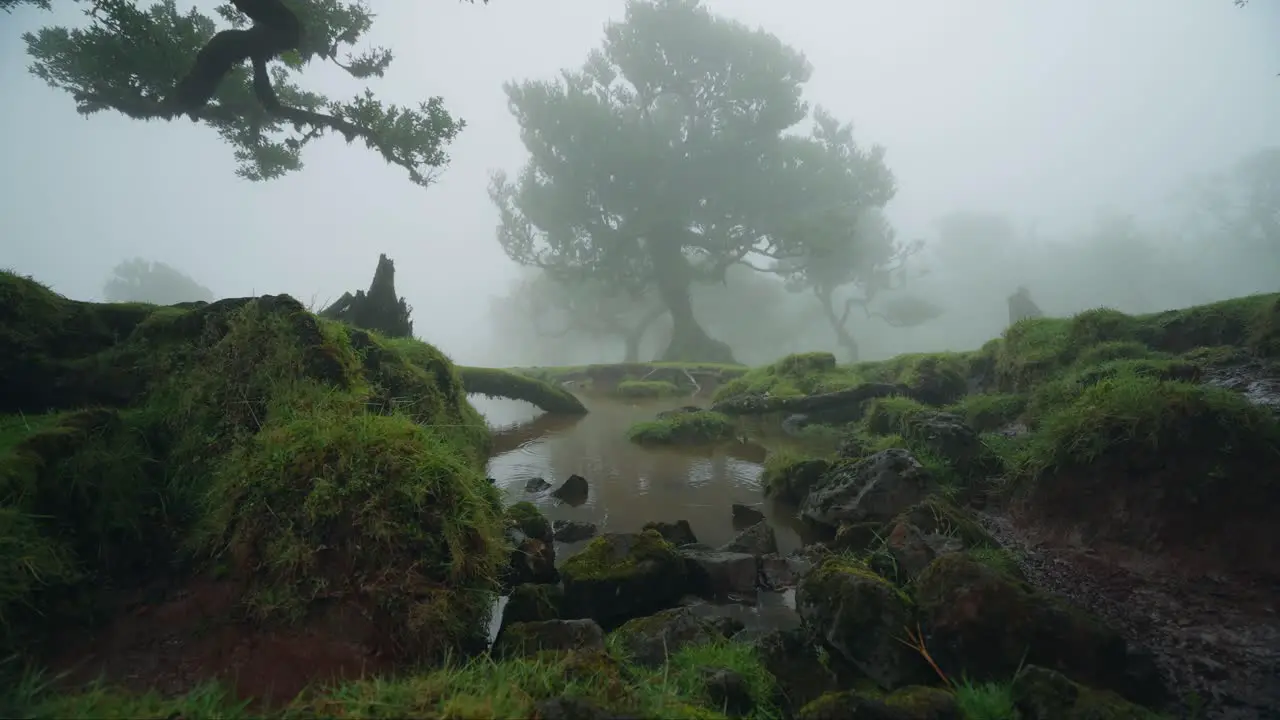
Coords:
618,577
599,560
998,559
529,519
892,415
826,579
686,428
793,375
789,476
984,411
494,382
646,389
532,602
932,378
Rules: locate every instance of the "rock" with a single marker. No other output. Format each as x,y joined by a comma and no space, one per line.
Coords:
570,708
532,561
571,531
651,640
910,703
745,516
619,576
728,692
529,638
526,517
858,537
949,438
793,424
779,573
492,481
537,484
920,702
574,491
792,657
533,602
791,482
685,410
861,616
936,516
759,539
676,533
718,574
1043,694
912,550
875,489
985,624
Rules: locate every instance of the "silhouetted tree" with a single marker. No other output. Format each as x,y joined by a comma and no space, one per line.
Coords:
159,63
138,280
379,309
661,162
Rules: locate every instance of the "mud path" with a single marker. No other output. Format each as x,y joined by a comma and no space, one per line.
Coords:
1216,640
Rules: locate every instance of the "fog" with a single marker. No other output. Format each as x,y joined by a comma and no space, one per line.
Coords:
1069,124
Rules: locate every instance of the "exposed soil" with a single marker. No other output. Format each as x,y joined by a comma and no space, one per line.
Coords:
174,645
1215,638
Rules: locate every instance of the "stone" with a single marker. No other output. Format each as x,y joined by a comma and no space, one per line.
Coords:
530,638
571,531
574,491
619,576
718,574
874,489
745,516
677,533
537,484
759,539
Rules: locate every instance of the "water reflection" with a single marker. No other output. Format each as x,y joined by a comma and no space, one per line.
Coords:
630,485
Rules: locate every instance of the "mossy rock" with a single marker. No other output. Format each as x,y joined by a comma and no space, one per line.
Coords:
646,389
495,382
309,460
619,576
528,519
990,411
703,427
1043,694
860,615
533,602
789,476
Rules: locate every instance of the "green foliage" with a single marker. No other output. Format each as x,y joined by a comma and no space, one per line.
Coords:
685,428
137,280
493,382
793,375
130,58
986,701
989,411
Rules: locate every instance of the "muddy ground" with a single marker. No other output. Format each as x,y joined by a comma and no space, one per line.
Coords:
1215,638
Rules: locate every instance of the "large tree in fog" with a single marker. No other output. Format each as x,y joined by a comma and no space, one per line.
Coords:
156,62
559,309
660,162
841,246
138,280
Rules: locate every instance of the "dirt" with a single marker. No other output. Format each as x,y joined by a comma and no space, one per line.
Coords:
1215,637
174,645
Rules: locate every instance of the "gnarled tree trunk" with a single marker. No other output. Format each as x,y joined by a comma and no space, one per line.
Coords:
843,337
689,342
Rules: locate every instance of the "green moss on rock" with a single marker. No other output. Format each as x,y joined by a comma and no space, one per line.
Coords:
703,427
618,576
642,389
789,476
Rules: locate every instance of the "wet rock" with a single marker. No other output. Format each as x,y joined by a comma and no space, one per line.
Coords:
619,576
874,489
793,658
532,561
779,573
984,624
574,491
793,424
759,539
533,602
912,550
537,484
492,481
651,640
570,531
792,482
728,692
676,533
900,705
718,574
920,702
858,537
530,638
861,616
1043,694
949,438
745,516
936,516
525,517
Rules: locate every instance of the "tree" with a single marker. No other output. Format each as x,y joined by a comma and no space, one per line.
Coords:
588,308
160,63
138,280
842,238
380,309
660,163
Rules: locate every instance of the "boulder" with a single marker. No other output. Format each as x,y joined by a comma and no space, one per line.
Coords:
530,638
571,531
537,484
619,576
861,616
651,640
745,516
676,533
1042,694
874,489
574,491
759,539
533,602
717,574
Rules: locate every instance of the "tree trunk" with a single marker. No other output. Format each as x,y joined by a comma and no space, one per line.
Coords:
635,335
689,342
843,337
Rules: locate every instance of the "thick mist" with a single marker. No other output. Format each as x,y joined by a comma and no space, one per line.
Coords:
1082,150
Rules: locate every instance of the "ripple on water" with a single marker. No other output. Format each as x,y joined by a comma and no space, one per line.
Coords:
630,485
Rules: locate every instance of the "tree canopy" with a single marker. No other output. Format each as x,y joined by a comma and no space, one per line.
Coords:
160,63
662,161
139,280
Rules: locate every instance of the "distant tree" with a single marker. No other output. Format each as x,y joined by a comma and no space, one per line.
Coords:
660,163
588,308
160,63
139,280
841,240
379,309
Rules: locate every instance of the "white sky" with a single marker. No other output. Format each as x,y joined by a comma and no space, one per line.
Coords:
1044,110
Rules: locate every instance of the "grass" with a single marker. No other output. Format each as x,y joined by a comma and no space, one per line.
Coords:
493,382
480,688
687,428
638,389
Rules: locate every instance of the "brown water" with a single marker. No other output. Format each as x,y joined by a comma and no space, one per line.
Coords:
630,485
